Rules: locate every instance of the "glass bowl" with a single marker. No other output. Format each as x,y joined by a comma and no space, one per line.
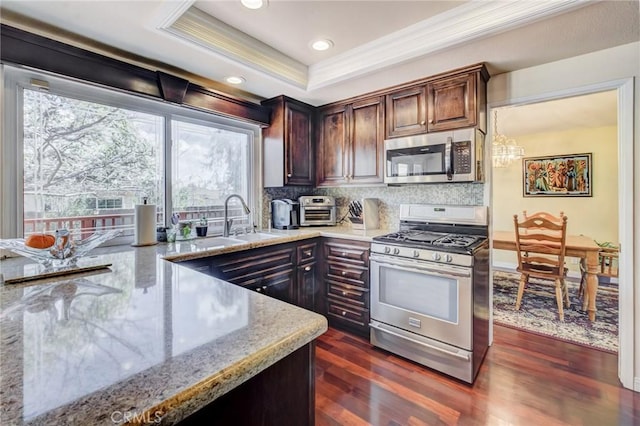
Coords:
64,253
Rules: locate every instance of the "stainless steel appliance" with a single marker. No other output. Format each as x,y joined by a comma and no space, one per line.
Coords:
285,214
317,210
430,288
453,156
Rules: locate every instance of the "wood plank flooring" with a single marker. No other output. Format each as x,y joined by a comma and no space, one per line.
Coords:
525,380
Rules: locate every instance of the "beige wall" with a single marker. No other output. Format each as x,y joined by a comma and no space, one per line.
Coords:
596,216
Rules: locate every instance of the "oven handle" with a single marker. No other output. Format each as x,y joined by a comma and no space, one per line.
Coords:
449,272
464,357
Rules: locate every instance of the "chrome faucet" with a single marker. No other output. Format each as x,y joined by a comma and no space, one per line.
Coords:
228,222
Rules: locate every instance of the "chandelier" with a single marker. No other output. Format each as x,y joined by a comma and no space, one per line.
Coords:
504,150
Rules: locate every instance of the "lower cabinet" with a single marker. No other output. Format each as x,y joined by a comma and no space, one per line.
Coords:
345,279
284,271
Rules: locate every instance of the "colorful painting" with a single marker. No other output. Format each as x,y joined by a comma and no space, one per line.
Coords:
558,176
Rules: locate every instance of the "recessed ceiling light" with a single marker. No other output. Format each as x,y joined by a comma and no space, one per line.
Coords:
235,79
253,4
323,44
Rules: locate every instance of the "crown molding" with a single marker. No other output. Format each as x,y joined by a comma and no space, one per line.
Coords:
216,36
471,21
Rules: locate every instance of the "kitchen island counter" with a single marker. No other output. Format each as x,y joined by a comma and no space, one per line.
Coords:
145,341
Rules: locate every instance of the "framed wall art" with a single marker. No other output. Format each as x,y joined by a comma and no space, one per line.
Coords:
558,176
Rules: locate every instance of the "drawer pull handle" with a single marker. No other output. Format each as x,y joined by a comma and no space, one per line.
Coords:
308,268
344,293
307,253
344,253
344,313
344,273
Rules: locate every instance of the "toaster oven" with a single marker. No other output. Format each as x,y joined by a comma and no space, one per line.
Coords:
317,210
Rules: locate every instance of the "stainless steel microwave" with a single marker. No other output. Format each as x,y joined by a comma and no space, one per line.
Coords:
453,156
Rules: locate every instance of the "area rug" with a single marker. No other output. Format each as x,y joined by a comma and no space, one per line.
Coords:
539,314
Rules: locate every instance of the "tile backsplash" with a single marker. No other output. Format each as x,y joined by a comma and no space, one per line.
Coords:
390,197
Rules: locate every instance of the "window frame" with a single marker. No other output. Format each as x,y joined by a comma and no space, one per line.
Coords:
14,80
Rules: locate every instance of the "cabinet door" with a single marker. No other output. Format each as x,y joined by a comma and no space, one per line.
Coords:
298,145
280,286
288,143
307,288
366,148
332,146
406,112
452,103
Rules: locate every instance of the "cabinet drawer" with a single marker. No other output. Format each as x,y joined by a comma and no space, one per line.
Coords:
348,294
352,314
346,273
307,253
347,253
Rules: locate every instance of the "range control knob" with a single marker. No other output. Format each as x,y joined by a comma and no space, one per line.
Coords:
396,250
387,250
448,258
416,253
435,256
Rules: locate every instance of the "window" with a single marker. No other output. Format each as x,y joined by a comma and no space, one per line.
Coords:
87,155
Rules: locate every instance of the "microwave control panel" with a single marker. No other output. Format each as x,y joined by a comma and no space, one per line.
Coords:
462,157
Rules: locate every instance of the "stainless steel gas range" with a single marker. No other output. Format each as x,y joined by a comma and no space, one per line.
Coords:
430,288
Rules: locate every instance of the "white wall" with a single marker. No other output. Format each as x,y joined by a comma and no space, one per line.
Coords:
595,216
603,68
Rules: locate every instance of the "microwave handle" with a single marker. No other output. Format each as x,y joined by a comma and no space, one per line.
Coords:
448,158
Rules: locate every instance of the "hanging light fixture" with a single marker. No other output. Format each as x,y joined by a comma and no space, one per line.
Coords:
504,150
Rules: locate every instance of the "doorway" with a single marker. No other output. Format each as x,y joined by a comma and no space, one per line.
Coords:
622,110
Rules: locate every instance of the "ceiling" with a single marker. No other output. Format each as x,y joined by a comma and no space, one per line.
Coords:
377,44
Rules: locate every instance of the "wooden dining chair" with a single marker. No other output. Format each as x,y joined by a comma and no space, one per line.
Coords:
540,245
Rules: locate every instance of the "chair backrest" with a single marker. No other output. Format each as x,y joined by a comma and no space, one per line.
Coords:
544,215
608,261
540,244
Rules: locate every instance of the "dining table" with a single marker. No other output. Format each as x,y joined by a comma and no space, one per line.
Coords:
579,246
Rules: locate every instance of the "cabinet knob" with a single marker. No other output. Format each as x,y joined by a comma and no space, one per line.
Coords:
307,253
423,122
431,121
308,268
264,287
344,313
258,289
344,273
344,253
344,293
289,175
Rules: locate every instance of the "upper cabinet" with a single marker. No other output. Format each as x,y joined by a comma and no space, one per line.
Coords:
407,112
351,142
449,101
288,144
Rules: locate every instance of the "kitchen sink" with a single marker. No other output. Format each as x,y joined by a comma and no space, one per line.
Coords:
219,241
258,236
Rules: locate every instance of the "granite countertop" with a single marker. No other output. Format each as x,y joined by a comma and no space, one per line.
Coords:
144,339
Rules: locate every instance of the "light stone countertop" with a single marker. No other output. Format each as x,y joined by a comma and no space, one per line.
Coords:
146,337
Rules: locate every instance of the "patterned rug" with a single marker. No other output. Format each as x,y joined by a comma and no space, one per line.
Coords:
539,314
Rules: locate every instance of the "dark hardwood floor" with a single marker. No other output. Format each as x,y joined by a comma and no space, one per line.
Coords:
525,380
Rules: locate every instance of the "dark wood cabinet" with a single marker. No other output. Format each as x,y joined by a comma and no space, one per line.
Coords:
346,282
308,295
453,103
288,143
452,100
285,271
406,112
351,143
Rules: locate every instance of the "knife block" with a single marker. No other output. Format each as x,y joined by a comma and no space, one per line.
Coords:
370,216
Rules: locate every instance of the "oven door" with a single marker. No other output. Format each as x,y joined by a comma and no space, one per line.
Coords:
431,299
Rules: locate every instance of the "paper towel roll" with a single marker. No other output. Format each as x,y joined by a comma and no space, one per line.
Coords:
145,225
